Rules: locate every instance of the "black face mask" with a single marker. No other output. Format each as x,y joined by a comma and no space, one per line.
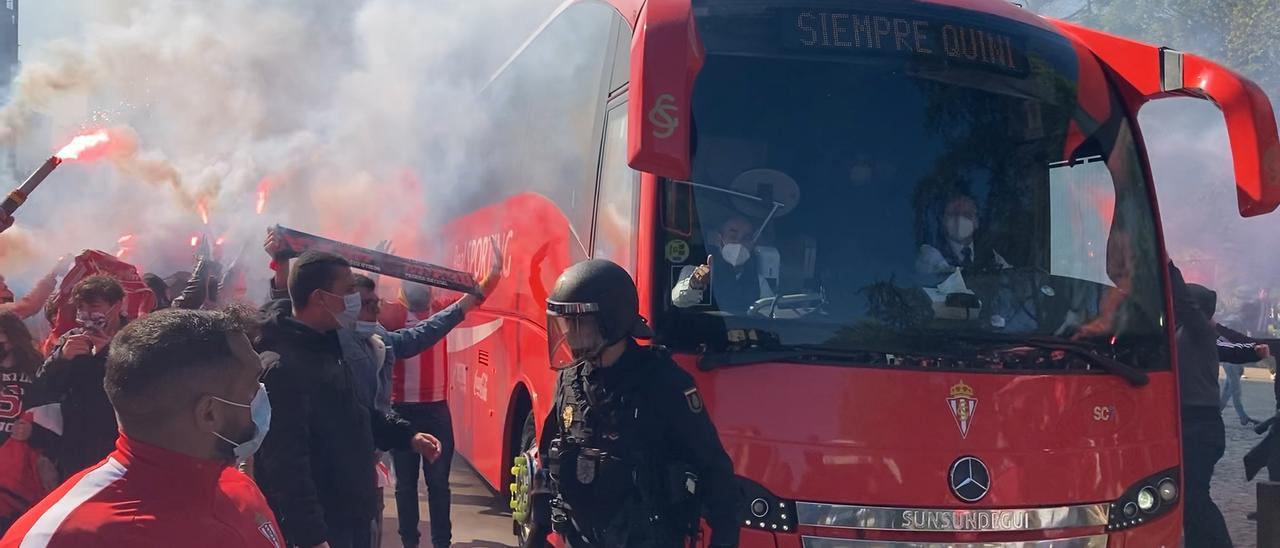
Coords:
4,352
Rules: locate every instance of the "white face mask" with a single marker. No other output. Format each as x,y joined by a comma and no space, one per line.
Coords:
735,254
960,228
366,329
350,311
260,409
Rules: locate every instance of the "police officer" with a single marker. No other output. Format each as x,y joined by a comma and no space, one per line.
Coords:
629,456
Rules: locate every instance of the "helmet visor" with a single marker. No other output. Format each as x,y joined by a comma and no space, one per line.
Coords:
573,334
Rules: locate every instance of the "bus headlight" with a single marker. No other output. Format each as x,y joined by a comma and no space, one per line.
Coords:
1146,500
765,511
1168,490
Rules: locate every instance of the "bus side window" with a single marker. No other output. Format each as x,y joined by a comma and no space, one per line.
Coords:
618,196
549,110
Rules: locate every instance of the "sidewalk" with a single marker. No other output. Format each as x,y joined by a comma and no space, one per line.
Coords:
480,519
1234,495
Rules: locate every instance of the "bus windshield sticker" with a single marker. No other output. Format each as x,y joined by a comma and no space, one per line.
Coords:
677,251
860,32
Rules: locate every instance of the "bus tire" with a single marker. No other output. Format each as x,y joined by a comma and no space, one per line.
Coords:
522,480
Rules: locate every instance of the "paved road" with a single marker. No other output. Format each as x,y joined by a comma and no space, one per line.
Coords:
480,520
1234,495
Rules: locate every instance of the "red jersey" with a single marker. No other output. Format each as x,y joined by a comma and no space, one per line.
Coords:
421,378
13,384
143,496
21,485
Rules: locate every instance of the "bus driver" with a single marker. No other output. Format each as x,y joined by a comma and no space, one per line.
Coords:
738,283
959,248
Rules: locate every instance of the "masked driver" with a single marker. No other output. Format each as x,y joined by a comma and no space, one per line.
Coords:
738,283
959,247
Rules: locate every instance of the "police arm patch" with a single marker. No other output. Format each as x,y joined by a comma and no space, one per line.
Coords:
694,399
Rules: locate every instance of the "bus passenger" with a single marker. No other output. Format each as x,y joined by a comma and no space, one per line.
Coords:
739,285
959,247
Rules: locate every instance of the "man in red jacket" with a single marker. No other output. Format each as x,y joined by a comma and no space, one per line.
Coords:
185,388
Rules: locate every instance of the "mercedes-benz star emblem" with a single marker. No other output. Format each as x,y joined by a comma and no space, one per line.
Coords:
970,479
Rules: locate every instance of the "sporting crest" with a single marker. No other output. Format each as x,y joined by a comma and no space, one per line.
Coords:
268,530
962,405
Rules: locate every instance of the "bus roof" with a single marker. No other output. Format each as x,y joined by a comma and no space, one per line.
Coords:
630,9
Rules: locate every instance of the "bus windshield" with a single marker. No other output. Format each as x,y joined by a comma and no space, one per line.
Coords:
952,184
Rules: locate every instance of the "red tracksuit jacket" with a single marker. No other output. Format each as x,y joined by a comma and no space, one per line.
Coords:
144,496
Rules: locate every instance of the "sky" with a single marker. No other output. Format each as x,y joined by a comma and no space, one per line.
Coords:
45,20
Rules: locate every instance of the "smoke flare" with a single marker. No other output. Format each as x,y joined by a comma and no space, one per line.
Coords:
82,144
203,101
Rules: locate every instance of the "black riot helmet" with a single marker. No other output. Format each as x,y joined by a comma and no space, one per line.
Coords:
593,306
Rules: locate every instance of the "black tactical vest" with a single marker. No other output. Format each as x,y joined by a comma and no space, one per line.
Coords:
603,460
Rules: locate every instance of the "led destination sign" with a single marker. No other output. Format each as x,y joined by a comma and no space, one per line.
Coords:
859,33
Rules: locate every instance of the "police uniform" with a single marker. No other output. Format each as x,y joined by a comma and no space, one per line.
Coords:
640,418
629,457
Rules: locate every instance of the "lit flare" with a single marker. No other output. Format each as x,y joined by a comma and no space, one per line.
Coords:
82,144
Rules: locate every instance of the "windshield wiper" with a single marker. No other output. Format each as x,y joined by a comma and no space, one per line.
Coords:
794,354
1125,371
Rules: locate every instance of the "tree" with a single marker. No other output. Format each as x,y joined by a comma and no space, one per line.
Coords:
1243,34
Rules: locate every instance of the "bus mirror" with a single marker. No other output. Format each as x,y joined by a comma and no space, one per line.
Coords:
665,58
1251,127
1158,73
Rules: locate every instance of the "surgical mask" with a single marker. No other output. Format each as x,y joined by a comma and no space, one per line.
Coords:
350,311
260,409
366,329
735,254
960,227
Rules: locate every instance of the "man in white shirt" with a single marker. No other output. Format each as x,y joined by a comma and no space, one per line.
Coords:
959,224
738,283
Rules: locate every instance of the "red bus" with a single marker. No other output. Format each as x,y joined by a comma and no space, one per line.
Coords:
948,323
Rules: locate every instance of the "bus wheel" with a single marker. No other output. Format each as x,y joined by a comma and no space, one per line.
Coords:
522,471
